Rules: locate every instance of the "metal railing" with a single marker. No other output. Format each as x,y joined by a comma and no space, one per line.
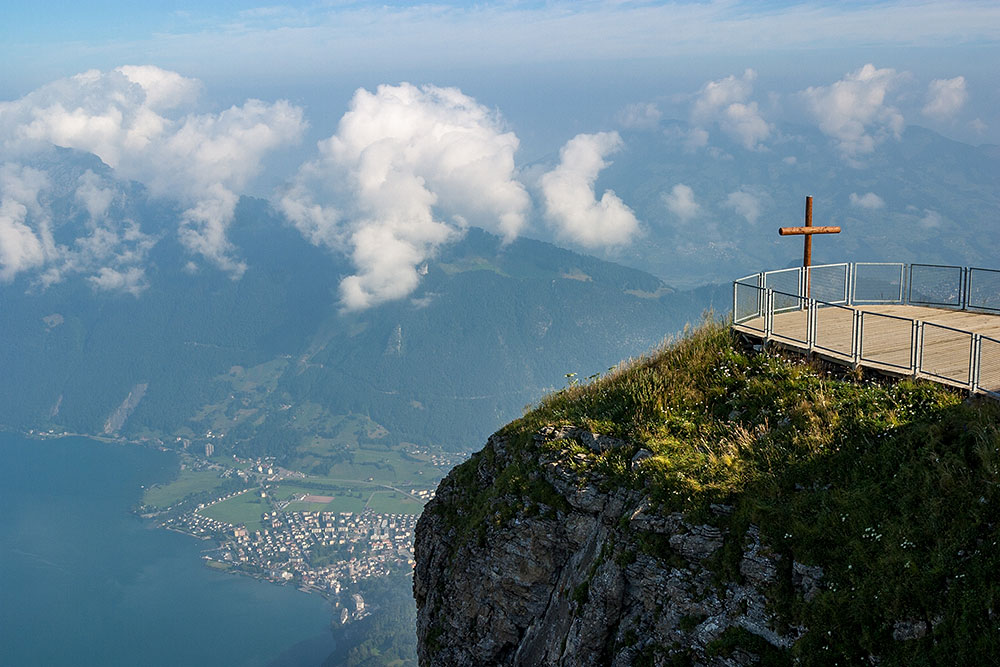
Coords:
816,311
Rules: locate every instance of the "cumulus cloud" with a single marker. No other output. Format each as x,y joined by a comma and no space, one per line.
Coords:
869,200
21,247
640,116
104,247
408,169
745,204
571,205
680,201
725,102
128,117
131,280
945,98
854,111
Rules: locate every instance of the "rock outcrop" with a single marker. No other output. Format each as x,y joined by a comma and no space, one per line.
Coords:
578,571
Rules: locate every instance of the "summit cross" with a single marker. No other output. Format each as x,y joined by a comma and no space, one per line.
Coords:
807,231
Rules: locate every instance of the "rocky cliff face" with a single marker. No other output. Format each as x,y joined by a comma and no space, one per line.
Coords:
750,509
573,571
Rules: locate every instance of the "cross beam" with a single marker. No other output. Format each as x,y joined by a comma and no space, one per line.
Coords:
807,232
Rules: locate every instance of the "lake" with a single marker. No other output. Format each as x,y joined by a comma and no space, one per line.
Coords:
85,582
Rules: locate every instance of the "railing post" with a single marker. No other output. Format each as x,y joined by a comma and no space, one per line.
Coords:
917,355
909,286
768,312
904,273
976,361
964,288
811,324
761,297
856,337
852,283
735,302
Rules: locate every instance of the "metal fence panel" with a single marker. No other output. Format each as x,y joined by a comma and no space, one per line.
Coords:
946,353
785,281
989,366
748,306
932,285
983,289
878,283
834,329
887,340
792,322
828,282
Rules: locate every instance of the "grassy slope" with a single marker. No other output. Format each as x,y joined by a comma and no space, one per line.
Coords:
890,486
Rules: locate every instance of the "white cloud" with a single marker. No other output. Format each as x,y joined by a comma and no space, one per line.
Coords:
854,111
745,204
571,206
127,118
725,102
104,246
640,116
131,280
945,98
680,201
21,247
406,171
869,200
95,198
696,138
931,218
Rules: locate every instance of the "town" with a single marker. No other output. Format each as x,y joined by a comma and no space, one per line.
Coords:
319,552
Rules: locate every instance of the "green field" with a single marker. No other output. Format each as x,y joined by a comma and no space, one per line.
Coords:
245,509
188,482
347,498
218,565
386,468
390,502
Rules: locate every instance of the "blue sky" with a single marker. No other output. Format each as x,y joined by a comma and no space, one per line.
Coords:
539,62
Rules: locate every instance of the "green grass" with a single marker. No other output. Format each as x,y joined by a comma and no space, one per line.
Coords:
892,486
218,565
245,509
188,482
385,468
345,498
390,502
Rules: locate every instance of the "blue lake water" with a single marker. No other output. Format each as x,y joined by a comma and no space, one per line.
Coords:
85,582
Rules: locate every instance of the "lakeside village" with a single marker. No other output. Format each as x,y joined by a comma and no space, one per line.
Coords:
319,552
324,552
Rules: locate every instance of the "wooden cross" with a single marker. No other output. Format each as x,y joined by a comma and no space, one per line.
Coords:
807,231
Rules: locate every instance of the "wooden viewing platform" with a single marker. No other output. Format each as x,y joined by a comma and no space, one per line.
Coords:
880,316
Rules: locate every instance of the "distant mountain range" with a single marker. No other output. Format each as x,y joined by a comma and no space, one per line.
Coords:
931,200
269,365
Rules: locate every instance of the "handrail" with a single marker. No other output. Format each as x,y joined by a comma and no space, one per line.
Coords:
915,352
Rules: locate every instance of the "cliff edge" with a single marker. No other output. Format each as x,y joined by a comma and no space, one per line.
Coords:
711,505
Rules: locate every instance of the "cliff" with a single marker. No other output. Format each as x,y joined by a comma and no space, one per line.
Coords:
715,506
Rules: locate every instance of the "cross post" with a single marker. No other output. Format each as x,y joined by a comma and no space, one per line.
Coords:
807,231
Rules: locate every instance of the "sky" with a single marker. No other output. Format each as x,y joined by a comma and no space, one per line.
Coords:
367,125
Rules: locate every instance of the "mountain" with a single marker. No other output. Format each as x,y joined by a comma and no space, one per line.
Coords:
713,505
270,365
921,198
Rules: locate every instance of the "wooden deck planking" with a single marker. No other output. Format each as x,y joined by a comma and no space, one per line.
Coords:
886,342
